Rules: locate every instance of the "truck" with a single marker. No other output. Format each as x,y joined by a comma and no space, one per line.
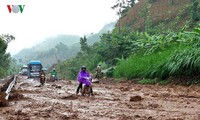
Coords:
34,68
24,70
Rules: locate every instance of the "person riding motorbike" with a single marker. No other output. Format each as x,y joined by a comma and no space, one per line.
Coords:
54,74
83,77
42,77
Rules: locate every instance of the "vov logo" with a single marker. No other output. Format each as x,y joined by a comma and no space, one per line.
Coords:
15,8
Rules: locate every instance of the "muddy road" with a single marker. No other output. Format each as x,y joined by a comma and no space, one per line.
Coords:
116,101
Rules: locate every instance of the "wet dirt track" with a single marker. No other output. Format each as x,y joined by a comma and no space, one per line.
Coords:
121,101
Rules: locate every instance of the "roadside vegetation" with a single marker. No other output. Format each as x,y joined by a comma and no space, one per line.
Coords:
6,67
160,53
156,41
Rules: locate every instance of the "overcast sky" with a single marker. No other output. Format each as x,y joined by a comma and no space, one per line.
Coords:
42,19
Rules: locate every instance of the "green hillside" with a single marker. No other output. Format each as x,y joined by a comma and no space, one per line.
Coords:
96,37
59,48
153,41
51,50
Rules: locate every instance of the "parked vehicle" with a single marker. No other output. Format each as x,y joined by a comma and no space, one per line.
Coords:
24,70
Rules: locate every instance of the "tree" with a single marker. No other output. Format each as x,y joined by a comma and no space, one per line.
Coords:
145,14
7,38
84,45
194,10
61,50
121,8
4,57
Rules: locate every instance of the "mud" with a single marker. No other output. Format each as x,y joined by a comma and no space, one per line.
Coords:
3,101
117,101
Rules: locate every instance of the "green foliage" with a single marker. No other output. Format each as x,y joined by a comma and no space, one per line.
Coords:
71,69
123,6
103,64
51,51
145,14
138,65
172,2
109,72
154,81
87,56
164,82
192,82
84,46
152,1
154,58
4,57
147,81
183,62
137,54
7,38
14,67
194,10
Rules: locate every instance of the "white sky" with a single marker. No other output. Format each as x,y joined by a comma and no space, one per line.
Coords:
47,18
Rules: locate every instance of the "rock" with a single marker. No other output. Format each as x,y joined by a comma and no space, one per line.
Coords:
124,89
137,116
58,86
153,105
150,118
138,89
154,95
135,98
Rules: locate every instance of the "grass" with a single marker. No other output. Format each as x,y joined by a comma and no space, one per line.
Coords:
164,82
137,66
154,81
147,81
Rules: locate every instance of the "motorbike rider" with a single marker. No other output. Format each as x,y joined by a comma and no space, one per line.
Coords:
42,74
82,75
54,72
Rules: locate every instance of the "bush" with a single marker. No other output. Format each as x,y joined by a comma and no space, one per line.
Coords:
147,81
137,66
182,63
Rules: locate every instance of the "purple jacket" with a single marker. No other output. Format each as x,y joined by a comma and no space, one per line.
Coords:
81,78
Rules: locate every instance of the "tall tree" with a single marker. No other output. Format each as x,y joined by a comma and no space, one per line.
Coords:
4,57
121,7
84,45
61,50
194,10
7,38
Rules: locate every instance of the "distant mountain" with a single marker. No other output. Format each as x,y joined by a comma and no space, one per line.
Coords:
58,48
96,37
46,51
52,42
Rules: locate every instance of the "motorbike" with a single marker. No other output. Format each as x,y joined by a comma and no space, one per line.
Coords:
42,79
87,87
53,78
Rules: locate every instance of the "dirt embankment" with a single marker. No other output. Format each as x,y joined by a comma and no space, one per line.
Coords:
116,101
4,83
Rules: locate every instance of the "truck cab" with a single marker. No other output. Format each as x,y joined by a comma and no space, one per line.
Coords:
24,70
